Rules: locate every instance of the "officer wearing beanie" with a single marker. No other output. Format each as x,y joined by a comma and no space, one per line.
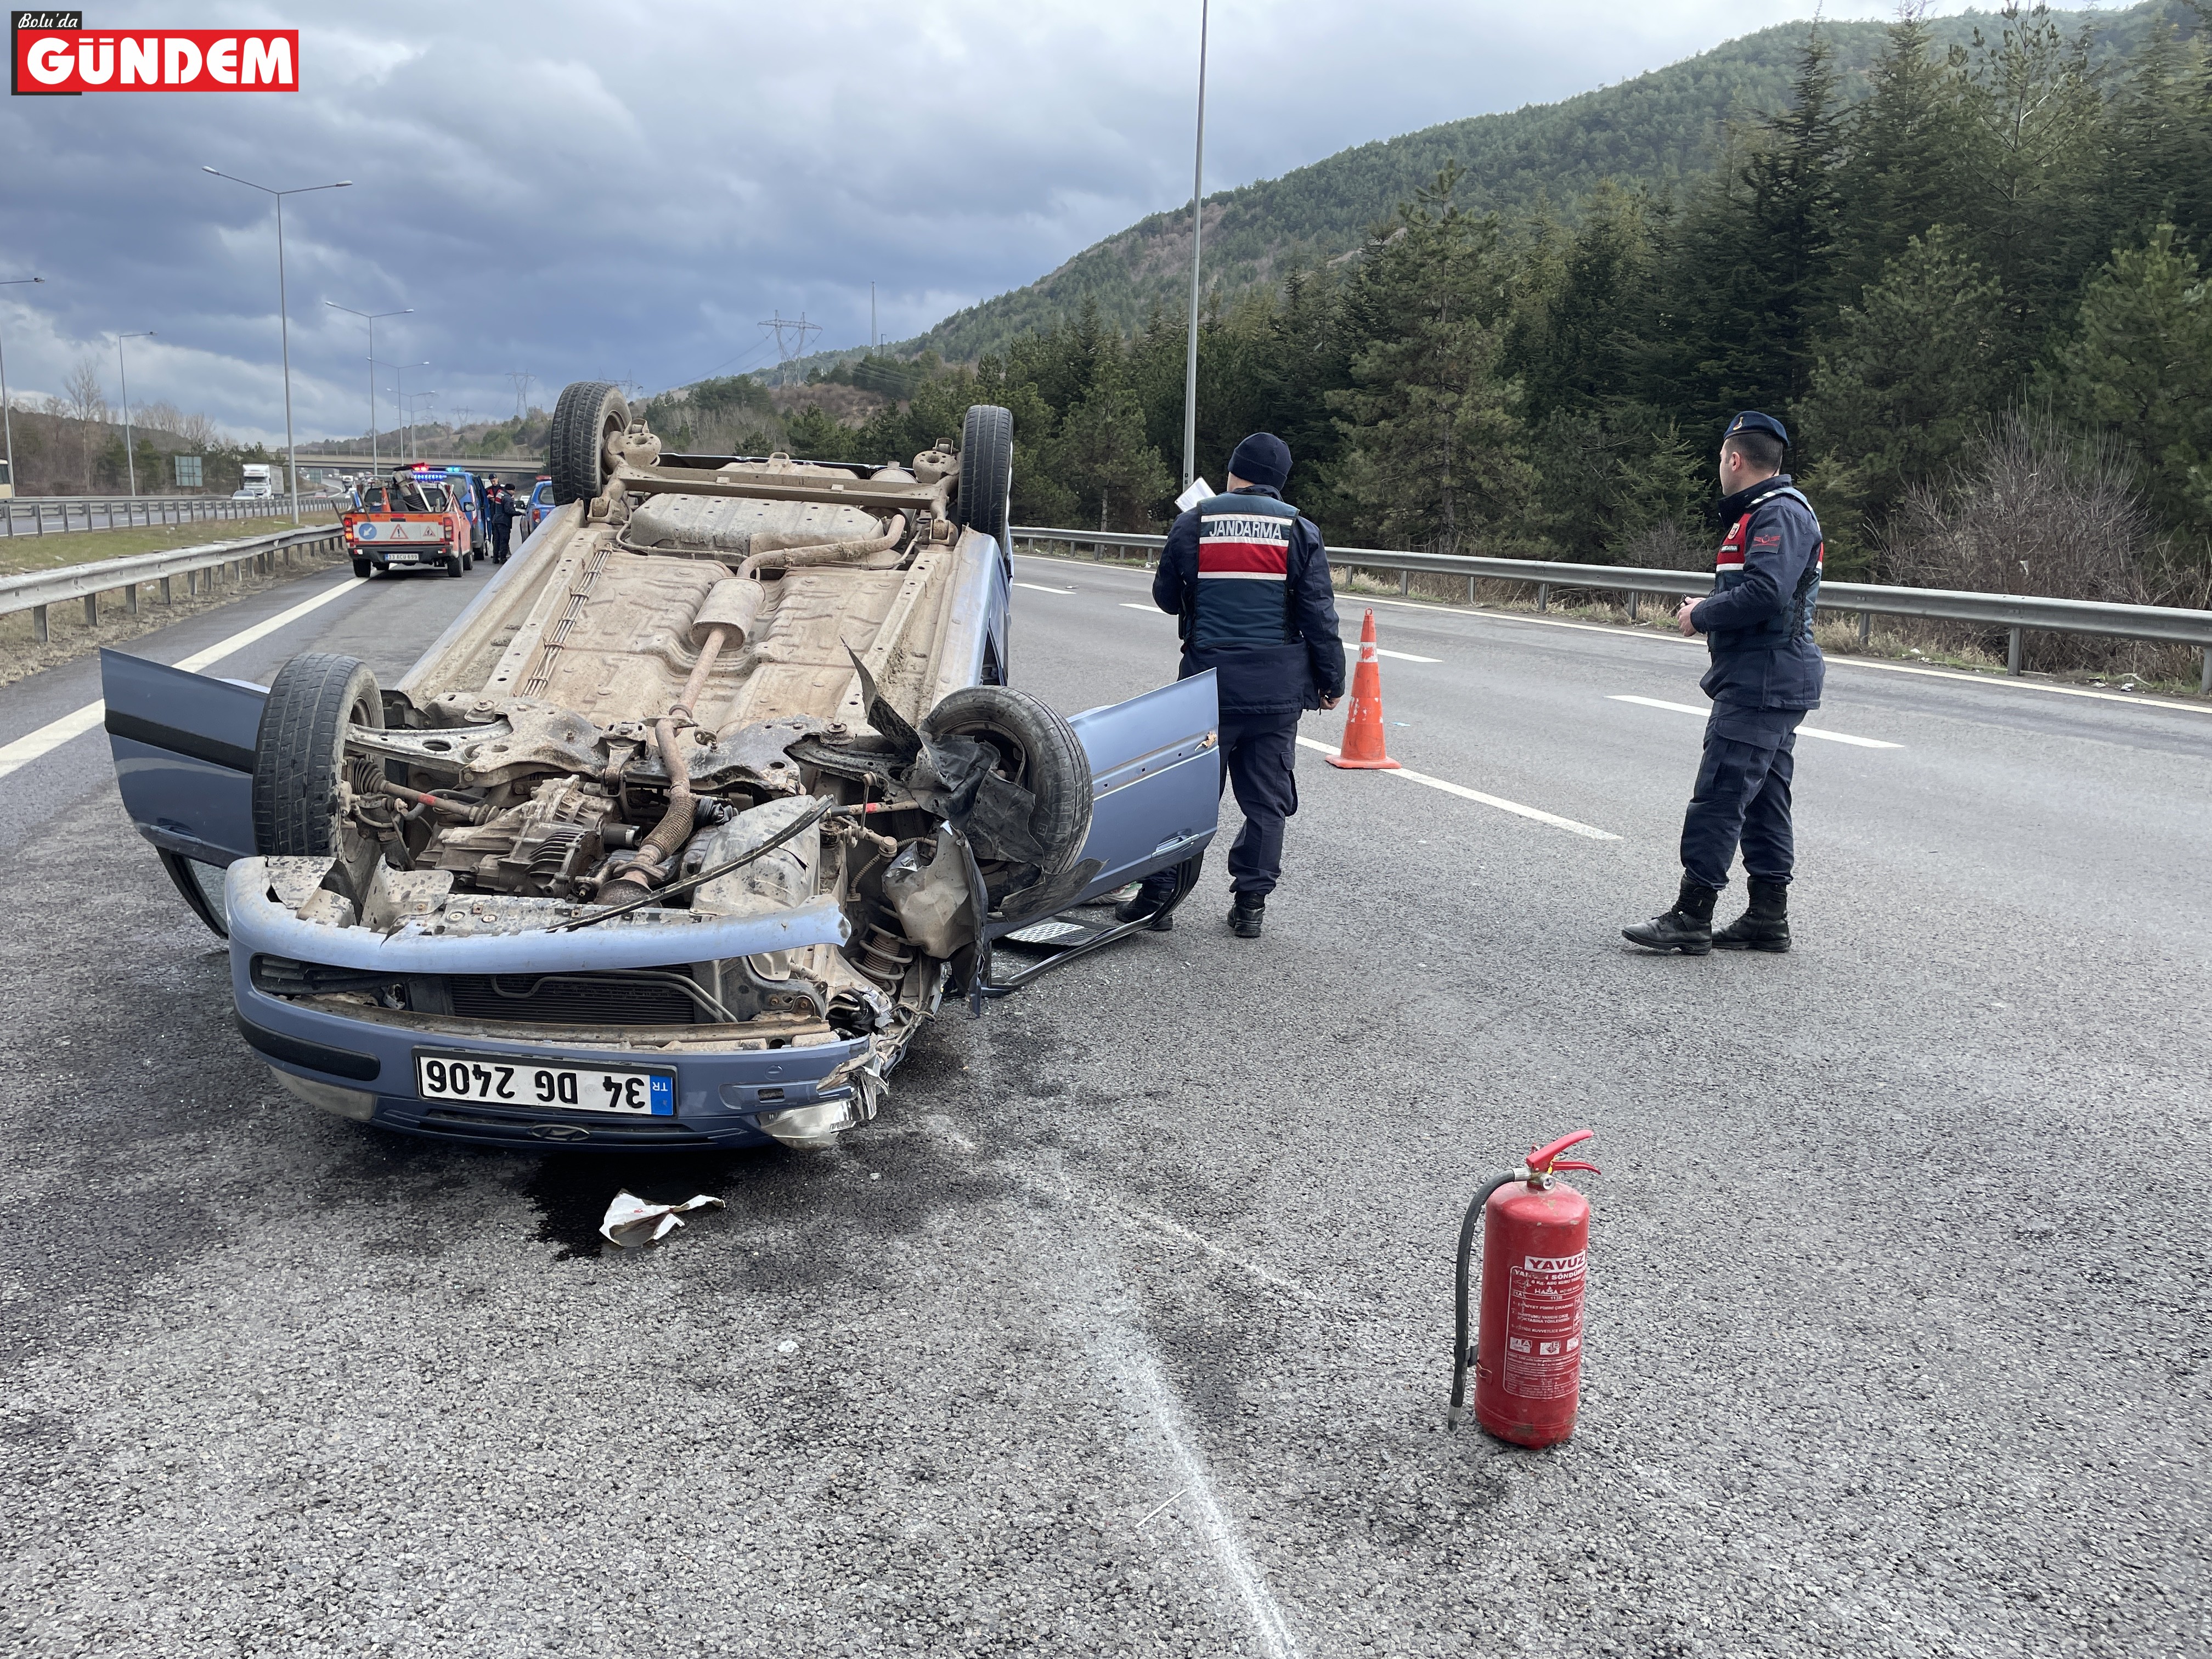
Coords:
1766,672
1248,581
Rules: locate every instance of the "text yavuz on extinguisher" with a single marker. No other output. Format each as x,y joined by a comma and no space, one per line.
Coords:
1527,1351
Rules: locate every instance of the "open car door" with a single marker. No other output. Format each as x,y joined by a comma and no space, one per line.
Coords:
1155,801
184,761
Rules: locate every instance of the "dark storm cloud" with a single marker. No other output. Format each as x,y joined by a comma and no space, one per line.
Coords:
608,191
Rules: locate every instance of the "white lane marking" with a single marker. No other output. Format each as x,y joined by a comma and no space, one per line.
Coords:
1802,731
1402,656
52,735
262,630
1154,609
1037,587
2008,684
1466,793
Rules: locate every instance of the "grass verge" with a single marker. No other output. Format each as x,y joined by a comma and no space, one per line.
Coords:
20,554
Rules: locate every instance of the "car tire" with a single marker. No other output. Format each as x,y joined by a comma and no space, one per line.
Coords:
454,565
299,754
362,569
1042,753
987,471
587,413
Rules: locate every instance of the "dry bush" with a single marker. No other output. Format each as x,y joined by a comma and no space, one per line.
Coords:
2042,510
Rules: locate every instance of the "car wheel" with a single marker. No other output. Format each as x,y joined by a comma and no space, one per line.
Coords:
1039,750
987,471
362,569
299,754
588,413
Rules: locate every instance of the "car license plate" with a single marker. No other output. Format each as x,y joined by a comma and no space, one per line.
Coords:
507,1080
402,558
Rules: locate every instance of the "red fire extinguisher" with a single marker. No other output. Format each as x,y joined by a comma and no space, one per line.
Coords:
1527,1353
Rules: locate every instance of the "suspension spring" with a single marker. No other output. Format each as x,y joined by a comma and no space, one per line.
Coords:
883,957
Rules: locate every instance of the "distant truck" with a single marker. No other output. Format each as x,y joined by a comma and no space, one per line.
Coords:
256,483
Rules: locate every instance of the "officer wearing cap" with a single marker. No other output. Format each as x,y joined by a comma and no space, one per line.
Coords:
1766,672
1248,578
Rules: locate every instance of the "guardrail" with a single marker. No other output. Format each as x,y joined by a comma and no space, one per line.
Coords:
2015,612
58,515
33,593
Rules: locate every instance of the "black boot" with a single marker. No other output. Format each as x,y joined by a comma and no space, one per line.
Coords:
1688,927
1246,915
1765,926
1148,901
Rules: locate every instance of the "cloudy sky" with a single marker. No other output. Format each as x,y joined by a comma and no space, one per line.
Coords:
617,190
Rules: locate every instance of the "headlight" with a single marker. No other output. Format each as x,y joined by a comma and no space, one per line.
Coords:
811,1128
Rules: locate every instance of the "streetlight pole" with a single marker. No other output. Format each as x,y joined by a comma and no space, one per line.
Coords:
372,321
1197,229
7,415
129,457
284,314
399,396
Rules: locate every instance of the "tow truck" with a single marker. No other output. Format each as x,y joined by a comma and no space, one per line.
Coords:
414,521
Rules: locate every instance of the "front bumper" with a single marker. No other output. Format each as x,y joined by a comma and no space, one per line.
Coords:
722,1095
721,1098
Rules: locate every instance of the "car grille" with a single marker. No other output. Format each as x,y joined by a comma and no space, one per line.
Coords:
655,1132
608,999
663,996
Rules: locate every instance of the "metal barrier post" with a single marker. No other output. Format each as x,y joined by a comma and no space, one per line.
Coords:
130,598
92,610
1866,626
1543,596
1404,585
2205,684
39,624
166,599
1631,604
2012,655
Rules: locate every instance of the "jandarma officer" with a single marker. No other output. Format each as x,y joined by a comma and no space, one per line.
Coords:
1249,580
1766,672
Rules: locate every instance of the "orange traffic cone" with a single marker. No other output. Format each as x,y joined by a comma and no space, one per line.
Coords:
1363,721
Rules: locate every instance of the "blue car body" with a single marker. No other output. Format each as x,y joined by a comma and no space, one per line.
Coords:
352,1007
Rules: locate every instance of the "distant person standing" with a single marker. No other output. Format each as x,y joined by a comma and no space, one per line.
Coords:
499,508
1766,672
1248,578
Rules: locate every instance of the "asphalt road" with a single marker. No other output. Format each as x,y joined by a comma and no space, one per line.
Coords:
1125,1330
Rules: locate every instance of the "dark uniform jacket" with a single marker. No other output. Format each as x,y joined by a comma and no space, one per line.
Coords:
1248,581
1758,623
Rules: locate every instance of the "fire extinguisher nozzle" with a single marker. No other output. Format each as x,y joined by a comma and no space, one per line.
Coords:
1455,1416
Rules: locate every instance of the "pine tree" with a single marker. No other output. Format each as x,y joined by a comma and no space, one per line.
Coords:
2154,164
2140,366
1749,280
1433,431
2033,130
1912,373
1903,173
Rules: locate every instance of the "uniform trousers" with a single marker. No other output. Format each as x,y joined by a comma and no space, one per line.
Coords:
1742,796
1259,755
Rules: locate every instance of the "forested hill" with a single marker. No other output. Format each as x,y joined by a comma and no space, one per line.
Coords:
1654,129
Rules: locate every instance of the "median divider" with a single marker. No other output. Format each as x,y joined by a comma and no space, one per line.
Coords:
38,590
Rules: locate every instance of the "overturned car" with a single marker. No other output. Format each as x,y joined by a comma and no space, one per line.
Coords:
681,828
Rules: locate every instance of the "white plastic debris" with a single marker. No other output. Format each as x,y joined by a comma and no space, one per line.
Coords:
633,1224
